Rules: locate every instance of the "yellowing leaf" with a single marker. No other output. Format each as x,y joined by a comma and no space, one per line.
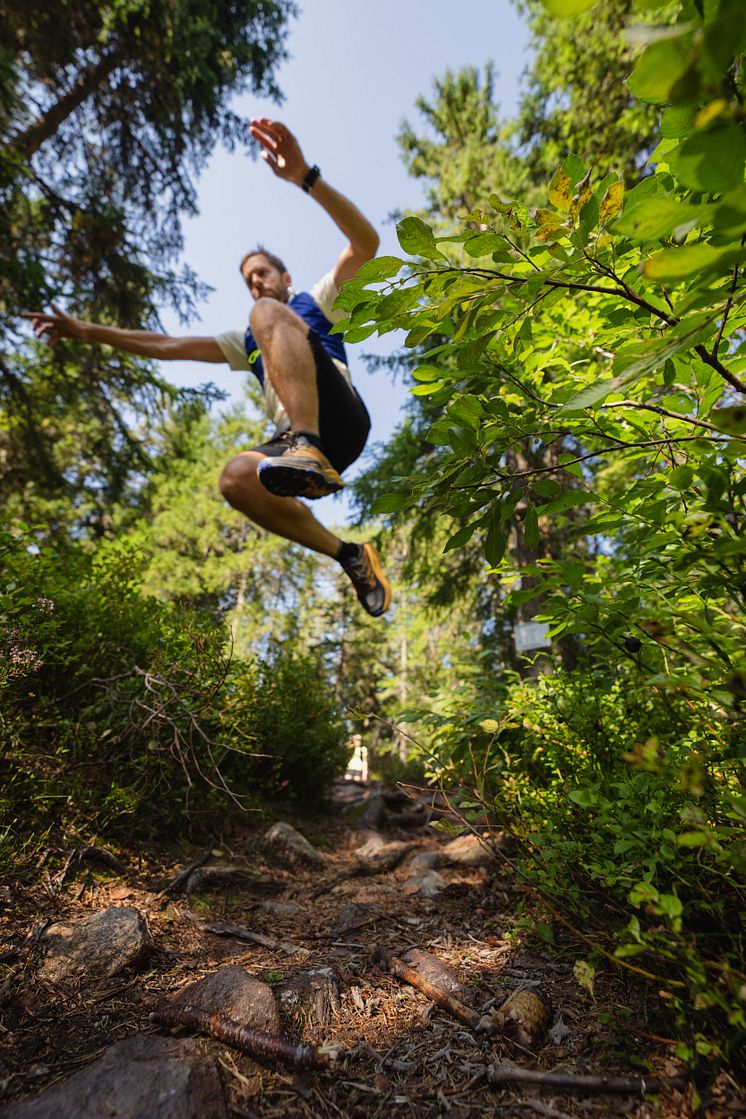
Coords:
560,191
585,973
582,194
550,223
611,203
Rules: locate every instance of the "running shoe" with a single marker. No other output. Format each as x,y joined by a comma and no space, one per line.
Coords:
300,471
369,581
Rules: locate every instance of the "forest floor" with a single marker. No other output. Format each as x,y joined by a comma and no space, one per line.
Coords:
402,1055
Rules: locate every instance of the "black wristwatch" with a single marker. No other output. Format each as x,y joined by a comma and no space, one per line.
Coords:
311,176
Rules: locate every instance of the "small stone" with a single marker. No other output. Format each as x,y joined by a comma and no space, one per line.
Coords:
311,999
144,1077
97,947
424,861
372,845
427,885
438,973
282,908
232,992
559,1032
468,850
290,845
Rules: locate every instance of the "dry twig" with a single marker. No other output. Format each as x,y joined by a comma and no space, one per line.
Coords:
256,1043
575,1082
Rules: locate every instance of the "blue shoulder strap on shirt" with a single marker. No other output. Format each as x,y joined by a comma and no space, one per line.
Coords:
306,306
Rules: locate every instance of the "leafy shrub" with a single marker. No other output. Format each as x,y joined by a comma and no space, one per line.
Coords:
629,816
116,705
296,721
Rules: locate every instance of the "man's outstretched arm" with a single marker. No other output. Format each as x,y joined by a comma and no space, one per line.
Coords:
283,154
55,325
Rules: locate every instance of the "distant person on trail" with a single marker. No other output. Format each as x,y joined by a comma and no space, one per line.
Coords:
321,424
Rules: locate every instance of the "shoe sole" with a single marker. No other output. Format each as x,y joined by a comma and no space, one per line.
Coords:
294,481
375,563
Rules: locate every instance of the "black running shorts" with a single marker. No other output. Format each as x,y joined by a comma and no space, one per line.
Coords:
344,422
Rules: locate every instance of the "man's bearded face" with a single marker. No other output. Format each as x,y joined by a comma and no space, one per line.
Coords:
264,281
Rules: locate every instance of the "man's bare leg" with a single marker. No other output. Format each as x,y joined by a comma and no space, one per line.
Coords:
282,336
303,470
284,516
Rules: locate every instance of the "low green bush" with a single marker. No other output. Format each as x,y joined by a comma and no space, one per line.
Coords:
629,814
116,706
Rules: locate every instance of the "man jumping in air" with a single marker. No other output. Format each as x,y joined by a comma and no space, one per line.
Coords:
321,424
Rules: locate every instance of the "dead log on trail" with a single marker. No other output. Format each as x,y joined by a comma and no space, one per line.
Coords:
396,967
256,1043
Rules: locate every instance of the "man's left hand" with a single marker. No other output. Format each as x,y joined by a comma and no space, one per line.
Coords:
281,150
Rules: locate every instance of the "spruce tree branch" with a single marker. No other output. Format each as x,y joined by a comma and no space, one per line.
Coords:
27,143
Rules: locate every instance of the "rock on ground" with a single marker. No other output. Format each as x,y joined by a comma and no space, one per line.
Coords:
232,992
425,861
468,850
291,846
145,1077
427,885
96,947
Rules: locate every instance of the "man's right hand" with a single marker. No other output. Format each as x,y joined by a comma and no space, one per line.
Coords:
55,325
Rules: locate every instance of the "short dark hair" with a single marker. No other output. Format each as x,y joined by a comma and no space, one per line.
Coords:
261,251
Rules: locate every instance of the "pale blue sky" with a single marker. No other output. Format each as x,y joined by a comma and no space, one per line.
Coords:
354,73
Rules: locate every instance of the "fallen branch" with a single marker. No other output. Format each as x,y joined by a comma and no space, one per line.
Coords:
575,1082
396,967
256,1043
224,928
179,880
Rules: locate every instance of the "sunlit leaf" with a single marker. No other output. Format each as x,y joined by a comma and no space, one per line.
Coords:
690,260
712,161
661,74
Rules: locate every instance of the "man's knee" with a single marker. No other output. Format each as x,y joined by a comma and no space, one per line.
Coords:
237,479
265,316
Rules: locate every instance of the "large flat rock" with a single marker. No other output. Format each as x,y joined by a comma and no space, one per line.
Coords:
232,992
468,850
143,1077
88,949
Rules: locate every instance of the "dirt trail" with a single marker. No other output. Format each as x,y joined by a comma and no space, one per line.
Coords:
283,920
